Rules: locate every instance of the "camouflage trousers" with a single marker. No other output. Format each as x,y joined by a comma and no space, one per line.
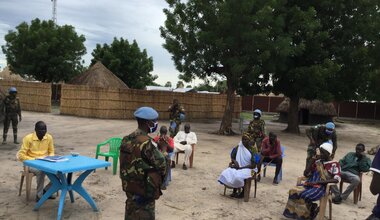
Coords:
134,211
310,154
7,122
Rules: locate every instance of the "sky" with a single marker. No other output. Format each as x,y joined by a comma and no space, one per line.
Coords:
100,21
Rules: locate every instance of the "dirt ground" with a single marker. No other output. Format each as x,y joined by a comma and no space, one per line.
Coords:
192,194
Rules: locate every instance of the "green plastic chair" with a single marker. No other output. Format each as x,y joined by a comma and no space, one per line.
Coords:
114,147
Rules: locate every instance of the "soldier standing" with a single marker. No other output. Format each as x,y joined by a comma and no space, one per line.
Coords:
142,167
177,115
11,110
318,135
256,129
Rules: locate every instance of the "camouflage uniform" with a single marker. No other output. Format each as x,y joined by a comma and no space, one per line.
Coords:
142,169
256,130
12,110
174,116
318,133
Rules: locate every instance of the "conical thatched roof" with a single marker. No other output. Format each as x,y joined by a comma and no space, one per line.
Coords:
99,76
315,107
9,75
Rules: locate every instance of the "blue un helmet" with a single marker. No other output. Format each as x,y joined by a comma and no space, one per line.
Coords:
12,90
257,113
330,127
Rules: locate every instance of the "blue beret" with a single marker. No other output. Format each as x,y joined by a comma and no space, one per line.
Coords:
147,113
330,125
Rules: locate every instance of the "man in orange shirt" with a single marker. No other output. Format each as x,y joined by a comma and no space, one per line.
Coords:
37,145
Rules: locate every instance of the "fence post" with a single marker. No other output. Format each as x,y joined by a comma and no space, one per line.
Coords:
268,104
357,109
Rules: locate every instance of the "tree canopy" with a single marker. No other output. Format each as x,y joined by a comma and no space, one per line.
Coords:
44,50
218,38
126,61
303,49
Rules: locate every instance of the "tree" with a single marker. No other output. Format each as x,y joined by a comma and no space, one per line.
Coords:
328,52
180,84
126,61
188,86
44,50
168,84
219,38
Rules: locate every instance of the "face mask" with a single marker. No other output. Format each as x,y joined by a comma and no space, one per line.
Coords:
328,132
154,128
256,116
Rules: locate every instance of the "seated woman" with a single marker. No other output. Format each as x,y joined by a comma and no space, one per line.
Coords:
242,161
165,144
320,172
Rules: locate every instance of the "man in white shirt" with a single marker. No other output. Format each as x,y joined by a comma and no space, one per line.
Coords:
182,142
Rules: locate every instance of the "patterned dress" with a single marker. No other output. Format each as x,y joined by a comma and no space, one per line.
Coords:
300,204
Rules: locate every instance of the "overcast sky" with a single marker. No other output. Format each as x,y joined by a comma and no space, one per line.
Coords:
100,21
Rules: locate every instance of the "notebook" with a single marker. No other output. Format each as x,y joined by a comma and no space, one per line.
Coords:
54,158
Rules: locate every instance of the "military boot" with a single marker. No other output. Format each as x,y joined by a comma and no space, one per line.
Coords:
4,139
15,139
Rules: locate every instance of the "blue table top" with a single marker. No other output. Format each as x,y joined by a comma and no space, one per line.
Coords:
73,164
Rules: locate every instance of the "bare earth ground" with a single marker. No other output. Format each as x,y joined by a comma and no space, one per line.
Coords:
193,194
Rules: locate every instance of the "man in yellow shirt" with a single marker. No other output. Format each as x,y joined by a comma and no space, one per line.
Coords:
36,145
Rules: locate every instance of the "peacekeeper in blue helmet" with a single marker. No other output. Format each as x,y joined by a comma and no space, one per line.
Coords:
142,167
12,111
318,135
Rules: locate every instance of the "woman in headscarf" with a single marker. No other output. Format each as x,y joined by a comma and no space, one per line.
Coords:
243,160
301,199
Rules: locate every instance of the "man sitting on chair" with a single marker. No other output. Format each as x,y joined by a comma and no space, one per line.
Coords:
182,142
352,165
271,153
37,145
242,161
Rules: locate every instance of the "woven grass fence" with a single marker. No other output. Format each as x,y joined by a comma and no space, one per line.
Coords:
33,96
121,103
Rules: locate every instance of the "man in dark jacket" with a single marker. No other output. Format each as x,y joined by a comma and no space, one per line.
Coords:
351,166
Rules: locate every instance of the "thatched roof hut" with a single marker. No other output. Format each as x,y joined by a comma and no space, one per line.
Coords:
99,76
310,112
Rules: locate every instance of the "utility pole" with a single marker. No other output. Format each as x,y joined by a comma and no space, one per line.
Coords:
54,18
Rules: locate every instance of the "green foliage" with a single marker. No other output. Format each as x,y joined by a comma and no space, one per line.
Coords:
45,51
221,86
180,84
220,38
126,61
168,84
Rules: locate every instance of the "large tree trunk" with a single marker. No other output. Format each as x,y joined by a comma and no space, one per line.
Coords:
293,116
226,125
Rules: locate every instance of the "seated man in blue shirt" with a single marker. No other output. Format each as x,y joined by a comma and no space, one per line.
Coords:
351,166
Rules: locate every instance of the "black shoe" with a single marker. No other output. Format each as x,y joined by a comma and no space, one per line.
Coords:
184,167
241,195
275,182
337,200
163,187
234,195
258,178
173,164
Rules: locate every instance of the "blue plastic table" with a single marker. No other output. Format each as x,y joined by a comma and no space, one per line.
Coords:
56,172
